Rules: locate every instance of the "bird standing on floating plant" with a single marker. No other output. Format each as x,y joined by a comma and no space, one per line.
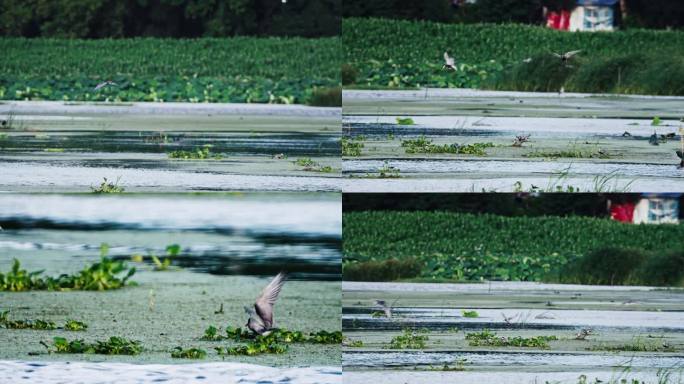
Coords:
564,57
261,317
387,309
449,62
107,83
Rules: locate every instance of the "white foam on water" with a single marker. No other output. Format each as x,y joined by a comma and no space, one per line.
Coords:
120,373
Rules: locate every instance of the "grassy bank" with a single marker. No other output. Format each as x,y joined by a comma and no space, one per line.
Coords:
456,246
239,69
397,54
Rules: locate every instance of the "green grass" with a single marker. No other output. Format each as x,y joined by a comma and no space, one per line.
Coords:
470,314
468,247
236,69
398,54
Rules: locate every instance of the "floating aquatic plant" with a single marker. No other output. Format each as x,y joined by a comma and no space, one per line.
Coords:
251,349
312,166
25,324
100,276
108,187
200,153
163,265
73,325
405,121
351,146
192,353
425,145
410,339
114,346
487,338
470,313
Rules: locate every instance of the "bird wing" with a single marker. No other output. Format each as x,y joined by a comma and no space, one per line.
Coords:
100,86
265,301
555,54
447,59
113,83
572,53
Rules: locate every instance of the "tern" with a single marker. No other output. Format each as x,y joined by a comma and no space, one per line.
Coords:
449,62
564,57
105,84
261,316
386,308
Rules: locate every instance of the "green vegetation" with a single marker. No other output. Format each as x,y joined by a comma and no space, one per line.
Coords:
101,276
276,335
619,265
192,353
386,172
275,342
73,325
163,265
113,346
656,121
25,324
379,270
487,338
405,121
407,54
471,314
572,153
410,339
200,153
312,166
352,343
352,146
424,145
468,247
108,187
638,345
237,69
70,325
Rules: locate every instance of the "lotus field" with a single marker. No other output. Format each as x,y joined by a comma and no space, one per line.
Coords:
238,69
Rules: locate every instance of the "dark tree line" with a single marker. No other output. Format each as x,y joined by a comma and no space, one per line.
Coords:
169,18
639,13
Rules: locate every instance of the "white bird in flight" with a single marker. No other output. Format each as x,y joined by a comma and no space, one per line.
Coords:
566,56
261,317
449,62
105,84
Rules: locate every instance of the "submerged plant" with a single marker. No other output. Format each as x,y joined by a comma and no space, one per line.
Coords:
192,353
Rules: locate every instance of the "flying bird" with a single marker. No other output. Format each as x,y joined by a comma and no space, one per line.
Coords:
564,57
261,316
105,84
387,309
449,62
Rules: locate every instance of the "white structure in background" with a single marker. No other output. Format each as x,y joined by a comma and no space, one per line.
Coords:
593,15
657,209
